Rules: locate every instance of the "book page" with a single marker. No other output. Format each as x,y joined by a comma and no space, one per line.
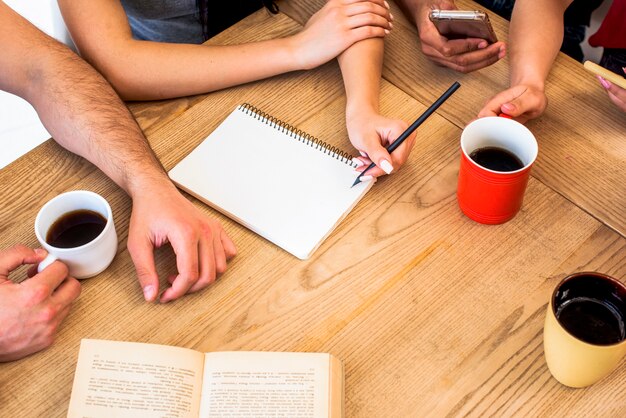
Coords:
290,192
263,384
123,379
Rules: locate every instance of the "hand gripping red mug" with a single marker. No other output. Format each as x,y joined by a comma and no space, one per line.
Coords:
497,154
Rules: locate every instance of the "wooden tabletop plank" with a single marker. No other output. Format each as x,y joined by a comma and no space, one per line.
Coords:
428,310
431,313
582,135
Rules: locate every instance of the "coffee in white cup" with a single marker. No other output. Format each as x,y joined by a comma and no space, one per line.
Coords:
77,228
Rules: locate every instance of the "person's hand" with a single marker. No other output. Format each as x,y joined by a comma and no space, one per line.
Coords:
616,94
202,248
463,55
521,102
31,311
337,26
371,133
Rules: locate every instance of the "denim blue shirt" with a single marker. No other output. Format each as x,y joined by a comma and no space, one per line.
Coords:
164,20
178,21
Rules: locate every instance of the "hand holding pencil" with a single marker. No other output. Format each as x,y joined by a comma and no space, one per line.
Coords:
408,133
371,134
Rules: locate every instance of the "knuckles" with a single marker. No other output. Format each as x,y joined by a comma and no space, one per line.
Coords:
461,60
38,294
143,271
47,315
446,51
369,31
206,229
190,232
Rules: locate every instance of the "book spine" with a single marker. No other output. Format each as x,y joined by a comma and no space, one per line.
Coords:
297,134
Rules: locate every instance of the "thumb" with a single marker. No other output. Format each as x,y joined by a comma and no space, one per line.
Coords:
493,107
379,155
513,108
525,102
141,252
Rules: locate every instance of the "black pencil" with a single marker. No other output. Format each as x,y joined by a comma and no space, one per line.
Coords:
395,144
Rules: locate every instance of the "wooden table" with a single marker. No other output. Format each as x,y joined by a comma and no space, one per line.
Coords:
431,313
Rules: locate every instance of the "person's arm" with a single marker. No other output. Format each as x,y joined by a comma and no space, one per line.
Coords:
144,70
369,132
535,37
616,93
32,311
464,55
85,116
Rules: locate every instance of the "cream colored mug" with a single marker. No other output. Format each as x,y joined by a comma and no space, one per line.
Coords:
584,337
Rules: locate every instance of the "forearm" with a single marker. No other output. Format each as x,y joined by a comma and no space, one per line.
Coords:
146,70
361,67
85,116
143,70
75,103
535,37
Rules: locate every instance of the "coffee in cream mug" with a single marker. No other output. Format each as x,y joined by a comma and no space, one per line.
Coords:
584,336
77,228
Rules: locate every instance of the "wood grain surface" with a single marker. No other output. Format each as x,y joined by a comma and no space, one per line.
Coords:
431,313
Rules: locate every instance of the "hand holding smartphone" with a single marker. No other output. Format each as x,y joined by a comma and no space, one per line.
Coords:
459,24
465,47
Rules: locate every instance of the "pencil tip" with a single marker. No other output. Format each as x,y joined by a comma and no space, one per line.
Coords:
357,181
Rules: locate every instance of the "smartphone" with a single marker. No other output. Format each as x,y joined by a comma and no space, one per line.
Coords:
459,24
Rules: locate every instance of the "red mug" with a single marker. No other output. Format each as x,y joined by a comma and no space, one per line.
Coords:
488,196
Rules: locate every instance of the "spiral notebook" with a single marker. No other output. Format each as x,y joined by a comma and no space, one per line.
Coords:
280,182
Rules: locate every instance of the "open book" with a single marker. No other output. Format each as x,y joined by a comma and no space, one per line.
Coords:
126,379
280,182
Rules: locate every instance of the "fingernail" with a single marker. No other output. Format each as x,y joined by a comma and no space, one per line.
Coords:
508,107
391,16
386,166
482,45
41,252
363,154
390,25
624,70
366,178
386,31
502,53
387,5
148,292
604,83
358,162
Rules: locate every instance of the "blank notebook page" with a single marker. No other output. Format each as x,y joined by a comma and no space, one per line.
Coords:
286,187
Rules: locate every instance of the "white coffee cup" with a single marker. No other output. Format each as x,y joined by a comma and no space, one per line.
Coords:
86,260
